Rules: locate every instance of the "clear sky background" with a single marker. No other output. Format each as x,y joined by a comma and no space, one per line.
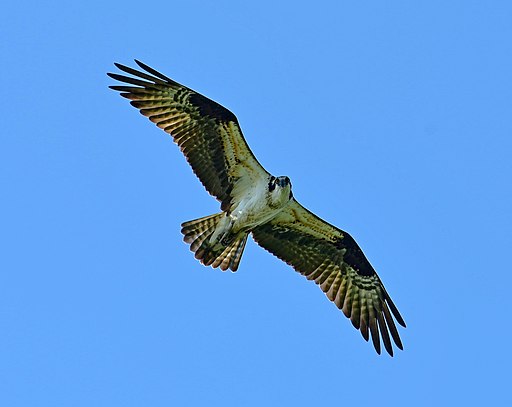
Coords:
393,120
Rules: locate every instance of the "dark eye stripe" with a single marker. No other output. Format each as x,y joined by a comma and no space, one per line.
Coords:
272,184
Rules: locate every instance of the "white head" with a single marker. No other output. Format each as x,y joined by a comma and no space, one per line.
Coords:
280,190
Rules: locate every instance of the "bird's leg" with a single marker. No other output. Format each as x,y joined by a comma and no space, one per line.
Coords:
222,231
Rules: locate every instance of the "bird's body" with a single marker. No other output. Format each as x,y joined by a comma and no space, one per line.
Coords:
223,241
258,203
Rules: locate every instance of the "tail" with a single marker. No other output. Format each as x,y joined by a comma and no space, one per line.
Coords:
225,252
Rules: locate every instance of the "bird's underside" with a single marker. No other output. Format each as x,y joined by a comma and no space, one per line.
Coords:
257,203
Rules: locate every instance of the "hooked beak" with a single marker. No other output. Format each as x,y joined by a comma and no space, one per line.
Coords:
283,181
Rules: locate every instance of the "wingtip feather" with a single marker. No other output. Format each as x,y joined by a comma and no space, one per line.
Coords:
152,71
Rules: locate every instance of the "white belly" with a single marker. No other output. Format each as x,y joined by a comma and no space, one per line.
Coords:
257,206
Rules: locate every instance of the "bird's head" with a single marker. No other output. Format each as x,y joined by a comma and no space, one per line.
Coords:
280,188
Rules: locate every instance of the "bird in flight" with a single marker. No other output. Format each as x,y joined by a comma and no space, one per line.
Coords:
254,202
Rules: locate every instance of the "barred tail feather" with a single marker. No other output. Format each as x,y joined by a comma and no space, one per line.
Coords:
196,231
225,254
232,254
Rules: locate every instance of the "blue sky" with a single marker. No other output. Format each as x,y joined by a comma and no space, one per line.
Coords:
393,122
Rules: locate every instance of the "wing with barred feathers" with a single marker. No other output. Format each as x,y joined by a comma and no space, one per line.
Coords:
207,133
333,260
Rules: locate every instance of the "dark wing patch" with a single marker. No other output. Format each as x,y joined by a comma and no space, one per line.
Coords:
354,256
334,261
214,110
207,133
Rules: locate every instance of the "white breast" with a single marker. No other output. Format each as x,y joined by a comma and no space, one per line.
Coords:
256,205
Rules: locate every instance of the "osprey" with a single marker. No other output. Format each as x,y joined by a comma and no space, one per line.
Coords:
258,203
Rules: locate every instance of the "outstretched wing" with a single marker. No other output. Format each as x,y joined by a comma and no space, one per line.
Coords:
207,133
332,258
